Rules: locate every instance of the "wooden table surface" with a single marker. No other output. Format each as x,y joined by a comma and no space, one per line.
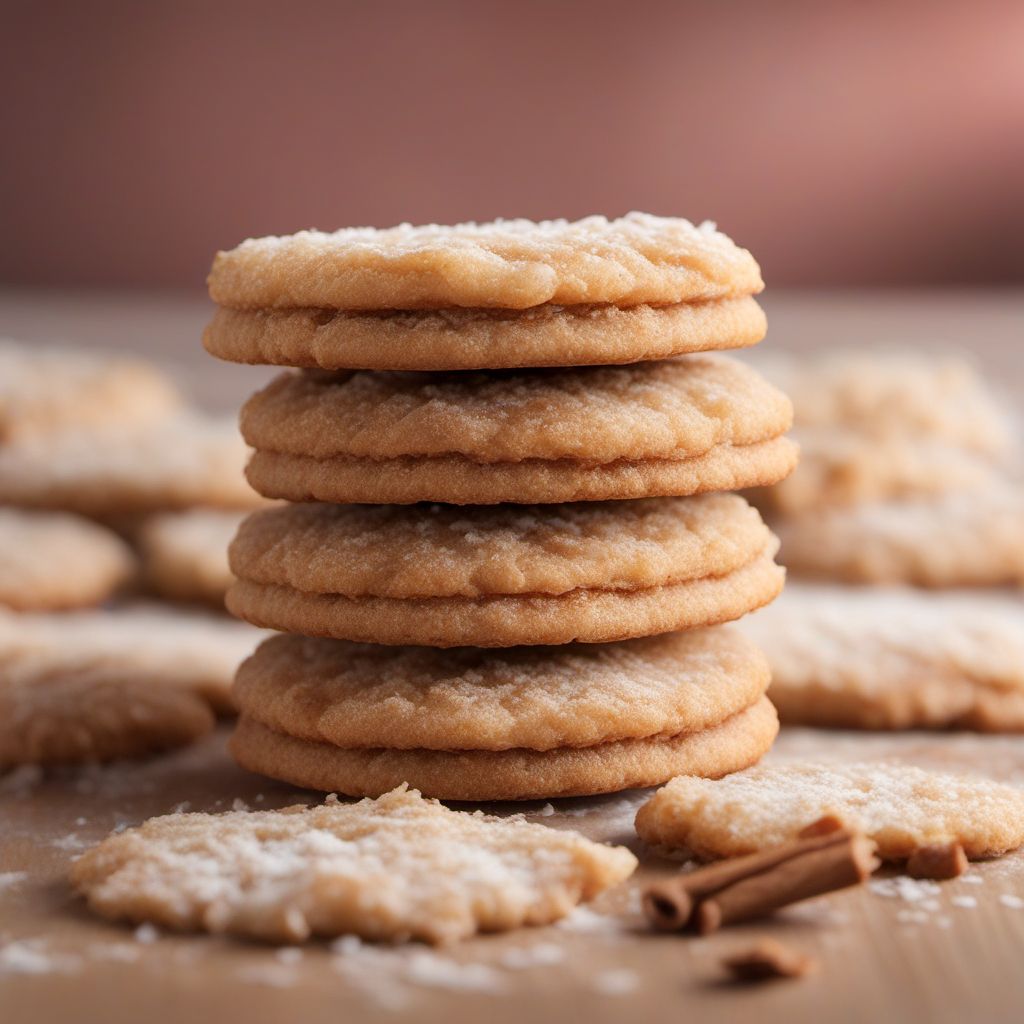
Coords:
887,954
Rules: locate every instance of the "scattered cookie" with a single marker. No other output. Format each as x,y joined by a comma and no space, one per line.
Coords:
901,807
698,423
45,389
975,538
52,560
513,264
185,554
395,868
894,658
93,686
173,463
503,575
539,698
514,774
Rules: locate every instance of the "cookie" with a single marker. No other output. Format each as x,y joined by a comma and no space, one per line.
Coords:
879,658
395,868
512,264
480,339
185,554
46,388
51,561
95,686
842,467
514,774
502,575
538,698
900,807
882,394
973,538
683,426
170,464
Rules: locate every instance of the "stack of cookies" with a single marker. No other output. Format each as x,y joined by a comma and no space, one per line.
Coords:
504,560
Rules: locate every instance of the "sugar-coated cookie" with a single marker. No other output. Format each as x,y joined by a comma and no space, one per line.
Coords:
396,868
514,774
683,426
901,807
512,264
894,658
538,698
53,560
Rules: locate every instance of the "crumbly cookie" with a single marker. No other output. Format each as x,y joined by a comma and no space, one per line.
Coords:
973,538
892,394
480,339
395,868
589,615
901,807
185,554
46,388
574,695
51,560
511,264
894,658
843,467
515,774
682,426
445,551
174,463
108,684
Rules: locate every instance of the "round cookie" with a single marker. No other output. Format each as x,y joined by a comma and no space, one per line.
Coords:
958,539
46,388
894,658
501,576
50,561
511,264
185,554
682,426
901,807
396,868
516,774
110,472
480,339
575,695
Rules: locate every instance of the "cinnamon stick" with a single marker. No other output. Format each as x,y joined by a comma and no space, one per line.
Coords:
826,859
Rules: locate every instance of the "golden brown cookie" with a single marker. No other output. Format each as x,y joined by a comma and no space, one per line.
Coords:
682,426
396,868
110,472
515,774
46,388
894,658
51,560
480,339
106,684
185,554
972,538
901,807
512,264
538,698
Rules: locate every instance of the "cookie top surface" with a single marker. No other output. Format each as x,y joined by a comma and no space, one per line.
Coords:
392,868
184,460
886,393
672,409
538,698
49,388
513,264
442,550
899,806
955,539
51,560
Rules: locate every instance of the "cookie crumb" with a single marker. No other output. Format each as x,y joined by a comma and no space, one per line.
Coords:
947,860
768,960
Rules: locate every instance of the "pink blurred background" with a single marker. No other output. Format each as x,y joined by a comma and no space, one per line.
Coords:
844,143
